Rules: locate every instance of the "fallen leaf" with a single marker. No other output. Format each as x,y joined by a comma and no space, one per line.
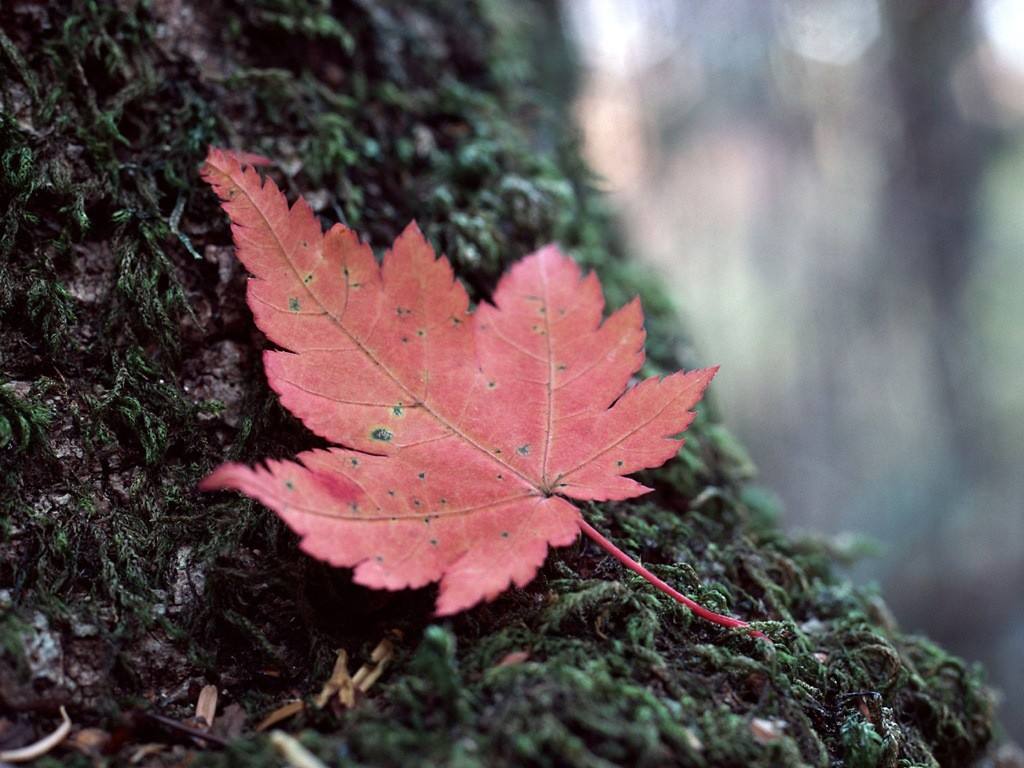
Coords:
766,730
512,658
465,433
206,705
368,674
250,158
286,710
292,751
89,740
339,684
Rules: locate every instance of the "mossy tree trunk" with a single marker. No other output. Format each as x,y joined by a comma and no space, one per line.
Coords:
130,368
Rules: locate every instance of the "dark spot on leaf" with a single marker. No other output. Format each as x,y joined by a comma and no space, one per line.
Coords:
501,477
619,463
397,411
405,339
456,321
379,559
422,475
305,244
417,503
390,492
421,333
293,304
504,534
427,519
289,485
383,434
434,542
308,278
523,450
354,461
492,384
561,367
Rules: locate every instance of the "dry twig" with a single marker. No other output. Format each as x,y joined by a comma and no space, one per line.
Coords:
38,749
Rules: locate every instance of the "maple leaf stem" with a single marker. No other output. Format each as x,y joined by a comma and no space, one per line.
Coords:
716,618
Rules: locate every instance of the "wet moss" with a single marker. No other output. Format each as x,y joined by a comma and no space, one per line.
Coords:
124,352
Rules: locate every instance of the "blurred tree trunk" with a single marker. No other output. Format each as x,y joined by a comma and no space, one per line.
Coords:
936,161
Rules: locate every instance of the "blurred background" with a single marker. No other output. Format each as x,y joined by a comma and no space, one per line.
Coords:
833,191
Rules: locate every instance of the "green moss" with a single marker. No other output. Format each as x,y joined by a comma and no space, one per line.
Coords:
23,423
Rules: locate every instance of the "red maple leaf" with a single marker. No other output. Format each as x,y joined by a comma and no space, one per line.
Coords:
464,433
